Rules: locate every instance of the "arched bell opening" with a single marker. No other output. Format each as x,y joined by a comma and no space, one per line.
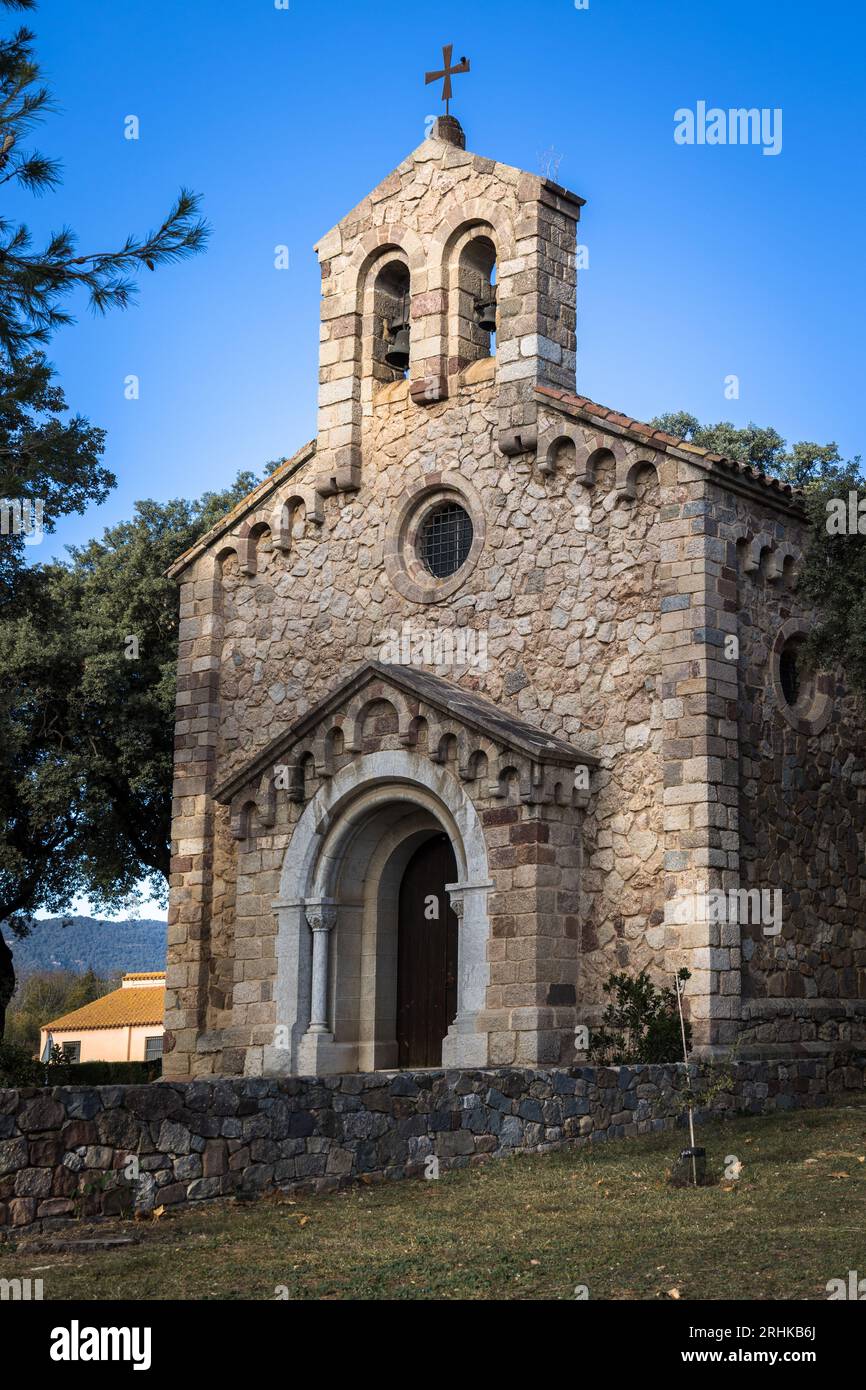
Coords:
392,323
477,307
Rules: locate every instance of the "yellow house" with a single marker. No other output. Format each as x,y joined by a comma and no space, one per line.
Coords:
124,1026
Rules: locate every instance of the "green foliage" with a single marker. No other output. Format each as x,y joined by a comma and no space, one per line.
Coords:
762,447
74,943
46,996
62,799
758,445
19,1068
708,1082
641,1024
66,1073
86,727
44,458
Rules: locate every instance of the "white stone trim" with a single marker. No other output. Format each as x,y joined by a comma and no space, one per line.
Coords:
320,844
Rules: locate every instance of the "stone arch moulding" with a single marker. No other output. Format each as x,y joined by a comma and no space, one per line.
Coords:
244,550
373,248
780,557
316,889
244,542
464,280
627,471
761,544
391,241
283,517
811,714
476,217
588,453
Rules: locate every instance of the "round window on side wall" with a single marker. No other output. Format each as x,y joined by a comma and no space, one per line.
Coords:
802,696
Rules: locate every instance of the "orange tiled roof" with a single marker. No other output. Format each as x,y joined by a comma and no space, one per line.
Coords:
144,975
116,1010
664,441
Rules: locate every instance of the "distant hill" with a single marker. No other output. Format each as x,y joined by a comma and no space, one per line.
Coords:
110,948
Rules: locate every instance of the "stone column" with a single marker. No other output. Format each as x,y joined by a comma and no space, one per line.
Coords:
464,1045
321,919
319,1054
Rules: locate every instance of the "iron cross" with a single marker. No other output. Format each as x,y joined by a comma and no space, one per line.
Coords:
447,72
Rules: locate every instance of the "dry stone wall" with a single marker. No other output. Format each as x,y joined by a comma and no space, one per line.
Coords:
65,1152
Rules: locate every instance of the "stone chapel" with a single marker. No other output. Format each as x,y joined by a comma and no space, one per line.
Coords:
486,682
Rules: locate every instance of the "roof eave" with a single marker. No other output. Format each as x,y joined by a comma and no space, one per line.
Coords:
247,504
370,670
728,473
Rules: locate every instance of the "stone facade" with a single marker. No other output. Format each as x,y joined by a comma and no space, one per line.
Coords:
65,1152
602,732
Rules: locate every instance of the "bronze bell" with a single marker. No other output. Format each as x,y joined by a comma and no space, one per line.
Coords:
397,351
485,311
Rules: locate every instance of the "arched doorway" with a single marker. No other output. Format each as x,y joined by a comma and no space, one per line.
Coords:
427,950
338,942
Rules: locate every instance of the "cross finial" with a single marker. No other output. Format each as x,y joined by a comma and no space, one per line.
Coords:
447,72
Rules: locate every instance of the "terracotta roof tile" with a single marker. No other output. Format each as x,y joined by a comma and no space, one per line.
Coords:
613,417
116,1010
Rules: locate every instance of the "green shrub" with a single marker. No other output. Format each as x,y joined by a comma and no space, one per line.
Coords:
641,1024
18,1068
64,1073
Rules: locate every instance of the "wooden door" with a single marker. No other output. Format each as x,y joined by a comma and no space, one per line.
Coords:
426,955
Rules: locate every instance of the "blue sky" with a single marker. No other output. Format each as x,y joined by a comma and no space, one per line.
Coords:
704,261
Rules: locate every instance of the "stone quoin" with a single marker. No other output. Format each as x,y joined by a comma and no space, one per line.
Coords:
639,732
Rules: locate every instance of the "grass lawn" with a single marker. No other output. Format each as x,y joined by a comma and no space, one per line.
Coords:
529,1227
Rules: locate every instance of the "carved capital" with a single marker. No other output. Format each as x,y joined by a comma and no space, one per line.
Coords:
321,916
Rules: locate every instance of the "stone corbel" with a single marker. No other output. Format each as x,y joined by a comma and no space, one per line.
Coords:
582,786
266,800
432,386
522,440
342,473
776,562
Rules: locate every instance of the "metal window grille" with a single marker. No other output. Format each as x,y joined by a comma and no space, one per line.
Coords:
446,539
152,1049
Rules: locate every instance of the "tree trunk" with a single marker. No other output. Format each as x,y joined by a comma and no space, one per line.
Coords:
7,982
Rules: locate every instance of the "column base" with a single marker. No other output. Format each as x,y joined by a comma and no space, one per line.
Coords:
320,1055
463,1047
